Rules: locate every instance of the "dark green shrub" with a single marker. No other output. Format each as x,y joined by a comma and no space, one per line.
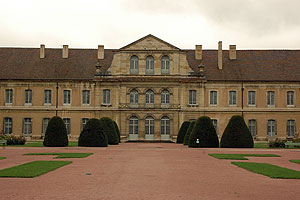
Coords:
92,135
277,143
188,133
237,134
117,130
56,133
182,131
109,129
204,131
15,140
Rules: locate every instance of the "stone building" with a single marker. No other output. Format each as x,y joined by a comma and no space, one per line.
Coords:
149,87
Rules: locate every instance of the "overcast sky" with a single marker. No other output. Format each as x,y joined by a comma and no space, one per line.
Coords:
250,24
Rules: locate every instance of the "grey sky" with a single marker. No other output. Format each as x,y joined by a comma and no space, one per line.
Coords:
250,24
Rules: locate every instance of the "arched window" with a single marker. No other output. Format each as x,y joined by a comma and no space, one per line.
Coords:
165,65
149,65
165,97
165,126
134,65
149,126
134,97
133,125
149,97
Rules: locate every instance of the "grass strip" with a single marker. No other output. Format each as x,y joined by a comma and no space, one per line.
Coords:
272,171
239,156
295,161
63,155
263,145
32,169
40,144
1,158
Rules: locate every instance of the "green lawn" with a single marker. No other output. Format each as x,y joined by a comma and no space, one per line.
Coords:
40,144
264,145
239,156
272,171
295,161
1,158
32,169
64,155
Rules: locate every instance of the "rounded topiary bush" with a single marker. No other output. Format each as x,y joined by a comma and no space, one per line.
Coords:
56,133
182,131
188,133
236,134
92,135
109,129
205,132
117,130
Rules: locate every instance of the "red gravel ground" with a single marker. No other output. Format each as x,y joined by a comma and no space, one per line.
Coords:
148,171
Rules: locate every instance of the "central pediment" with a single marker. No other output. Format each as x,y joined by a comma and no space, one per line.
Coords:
149,42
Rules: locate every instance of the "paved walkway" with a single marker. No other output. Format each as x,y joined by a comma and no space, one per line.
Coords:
148,171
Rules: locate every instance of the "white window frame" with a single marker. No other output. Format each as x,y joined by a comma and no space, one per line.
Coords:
106,97
232,101
271,128
134,65
45,125
149,126
149,65
192,97
165,126
252,126
67,122
27,126
67,99
134,97
9,96
149,97
86,97
134,125
28,97
165,64
269,98
7,125
291,128
165,97
250,98
213,100
47,97
290,101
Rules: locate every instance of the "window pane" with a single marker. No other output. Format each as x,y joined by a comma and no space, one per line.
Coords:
8,96
68,124
149,65
7,125
47,96
271,98
86,97
165,126
133,125
28,96
192,97
291,128
106,96
232,97
290,98
27,126
213,98
45,125
252,127
251,97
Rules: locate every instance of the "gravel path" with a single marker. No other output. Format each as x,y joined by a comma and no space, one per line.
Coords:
148,171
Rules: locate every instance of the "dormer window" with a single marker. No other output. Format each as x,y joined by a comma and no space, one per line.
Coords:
134,65
165,65
149,65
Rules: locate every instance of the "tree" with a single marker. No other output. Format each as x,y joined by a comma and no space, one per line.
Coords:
204,134
56,133
182,131
237,134
109,129
92,135
188,133
117,130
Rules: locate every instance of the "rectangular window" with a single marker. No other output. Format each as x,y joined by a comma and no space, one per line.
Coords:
27,126
213,98
252,127
86,97
83,122
106,97
215,123
290,98
28,97
68,124
270,98
271,128
67,97
47,97
232,98
7,125
291,128
251,98
8,96
192,97
45,124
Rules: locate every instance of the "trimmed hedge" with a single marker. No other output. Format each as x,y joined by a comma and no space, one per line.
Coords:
56,133
109,129
188,133
205,132
182,131
93,135
237,134
117,130
15,140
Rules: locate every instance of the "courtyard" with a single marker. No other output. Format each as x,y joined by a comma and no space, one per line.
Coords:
148,171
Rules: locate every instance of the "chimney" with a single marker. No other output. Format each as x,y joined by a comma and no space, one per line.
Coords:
198,52
220,56
100,52
232,52
42,51
65,53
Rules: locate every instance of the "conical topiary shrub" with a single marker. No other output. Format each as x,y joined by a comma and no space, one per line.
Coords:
56,133
117,130
109,129
204,131
236,134
92,135
188,133
182,131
